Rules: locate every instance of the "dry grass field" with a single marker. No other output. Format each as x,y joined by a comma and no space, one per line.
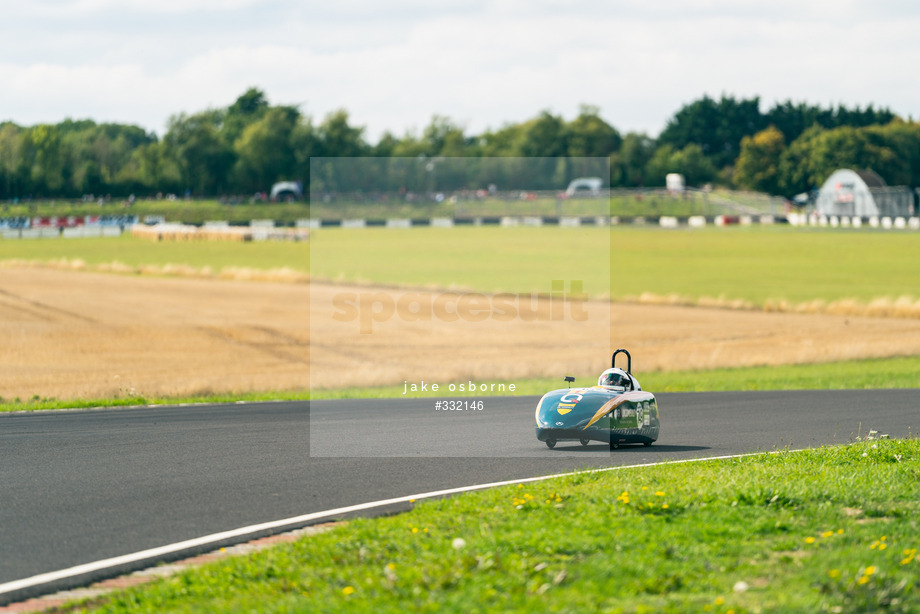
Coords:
70,335
91,335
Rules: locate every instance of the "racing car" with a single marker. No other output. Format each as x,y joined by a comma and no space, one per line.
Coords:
615,411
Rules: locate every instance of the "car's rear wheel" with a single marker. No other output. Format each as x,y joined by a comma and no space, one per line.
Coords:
585,442
550,443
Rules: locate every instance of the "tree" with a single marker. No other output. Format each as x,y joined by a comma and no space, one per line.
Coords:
151,168
248,108
811,158
541,137
204,158
304,143
335,138
98,153
843,147
590,136
716,126
540,146
628,165
46,159
442,137
757,167
500,142
11,168
265,150
690,161
902,139
795,174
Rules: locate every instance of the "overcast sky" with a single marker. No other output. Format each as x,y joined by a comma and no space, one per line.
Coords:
482,63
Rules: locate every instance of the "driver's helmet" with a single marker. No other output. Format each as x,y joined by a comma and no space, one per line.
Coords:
615,377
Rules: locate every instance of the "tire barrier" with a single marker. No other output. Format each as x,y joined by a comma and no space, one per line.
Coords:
845,221
564,221
219,232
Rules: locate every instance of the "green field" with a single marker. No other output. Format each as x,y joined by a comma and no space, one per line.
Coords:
833,529
754,264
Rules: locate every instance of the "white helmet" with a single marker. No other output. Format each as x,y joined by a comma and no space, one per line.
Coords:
615,377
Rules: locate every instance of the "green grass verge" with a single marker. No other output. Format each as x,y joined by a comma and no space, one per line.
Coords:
830,529
849,375
875,374
134,252
37,402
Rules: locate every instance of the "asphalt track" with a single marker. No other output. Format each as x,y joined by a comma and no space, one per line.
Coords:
82,486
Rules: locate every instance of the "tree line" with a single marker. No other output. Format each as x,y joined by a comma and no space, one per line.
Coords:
247,146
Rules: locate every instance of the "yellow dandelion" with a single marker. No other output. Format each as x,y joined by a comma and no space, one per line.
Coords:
863,580
834,573
827,534
719,601
809,540
839,531
348,590
870,570
659,493
415,529
665,506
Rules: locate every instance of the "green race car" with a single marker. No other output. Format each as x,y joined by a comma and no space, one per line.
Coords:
615,411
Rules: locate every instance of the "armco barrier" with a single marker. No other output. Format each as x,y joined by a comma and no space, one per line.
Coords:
567,221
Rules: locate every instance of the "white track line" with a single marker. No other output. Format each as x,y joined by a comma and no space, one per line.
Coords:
305,519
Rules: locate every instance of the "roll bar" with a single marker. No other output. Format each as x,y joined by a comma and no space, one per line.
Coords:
613,360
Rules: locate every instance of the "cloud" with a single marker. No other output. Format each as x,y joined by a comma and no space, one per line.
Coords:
481,63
